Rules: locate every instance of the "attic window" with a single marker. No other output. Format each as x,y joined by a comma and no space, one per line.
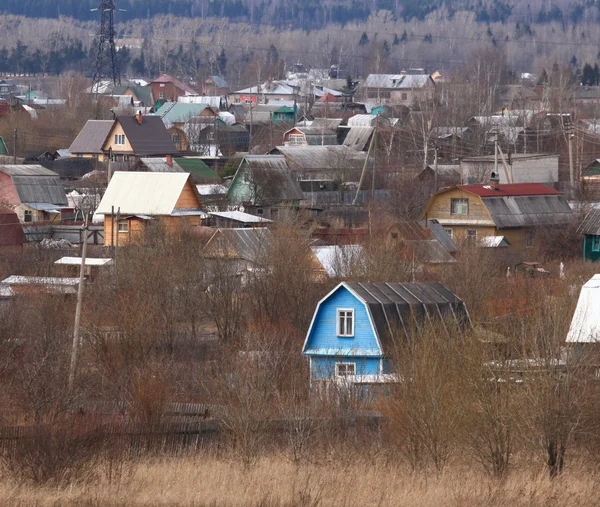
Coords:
120,139
459,206
345,322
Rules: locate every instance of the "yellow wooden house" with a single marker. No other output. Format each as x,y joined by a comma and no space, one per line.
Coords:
474,212
135,199
125,139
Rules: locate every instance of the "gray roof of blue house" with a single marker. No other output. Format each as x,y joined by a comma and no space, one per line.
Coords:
407,306
591,223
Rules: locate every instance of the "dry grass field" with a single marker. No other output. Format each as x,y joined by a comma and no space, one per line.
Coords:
274,482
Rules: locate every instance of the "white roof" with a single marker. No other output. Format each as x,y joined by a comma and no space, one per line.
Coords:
240,216
142,193
493,242
38,280
585,326
338,260
211,189
76,261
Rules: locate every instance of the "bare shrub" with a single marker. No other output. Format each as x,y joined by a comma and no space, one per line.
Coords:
59,454
425,409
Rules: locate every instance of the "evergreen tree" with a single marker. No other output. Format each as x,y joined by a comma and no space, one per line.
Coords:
364,39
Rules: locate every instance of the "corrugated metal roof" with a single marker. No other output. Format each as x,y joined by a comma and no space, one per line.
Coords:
396,81
92,136
179,112
591,223
525,211
274,177
149,138
410,230
46,189
358,138
27,170
396,306
323,157
250,244
439,233
159,165
430,251
143,193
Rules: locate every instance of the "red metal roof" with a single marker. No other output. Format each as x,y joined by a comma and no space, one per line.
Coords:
510,189
166,78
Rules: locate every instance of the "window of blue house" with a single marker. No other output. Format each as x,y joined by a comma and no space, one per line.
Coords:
345,369
345,322
596,244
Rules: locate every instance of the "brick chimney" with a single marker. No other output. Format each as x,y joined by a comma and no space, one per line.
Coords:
138,117
169,160
495,181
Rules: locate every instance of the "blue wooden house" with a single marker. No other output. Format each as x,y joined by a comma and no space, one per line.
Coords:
354,327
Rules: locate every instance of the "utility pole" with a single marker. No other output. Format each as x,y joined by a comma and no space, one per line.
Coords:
76,328
14,146
571,169
496,153
435,168
362,175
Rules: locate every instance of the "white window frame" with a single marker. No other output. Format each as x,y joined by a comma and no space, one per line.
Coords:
346,365
297,140
455,210
27,216
123,226
450,231
338,327
119,139
161,95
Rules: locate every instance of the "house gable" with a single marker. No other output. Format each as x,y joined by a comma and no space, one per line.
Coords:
110,140
322,338
439,207
189,197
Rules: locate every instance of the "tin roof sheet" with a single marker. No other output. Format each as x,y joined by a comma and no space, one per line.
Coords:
143,193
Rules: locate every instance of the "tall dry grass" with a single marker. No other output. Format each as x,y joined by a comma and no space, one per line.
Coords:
276,482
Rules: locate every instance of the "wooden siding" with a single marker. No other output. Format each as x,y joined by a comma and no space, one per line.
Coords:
324,367
110,141
188,198
137,225
323,335
439,207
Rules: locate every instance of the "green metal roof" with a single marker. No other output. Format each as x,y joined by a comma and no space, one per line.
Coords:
3,148
178,112
200,172
284,109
